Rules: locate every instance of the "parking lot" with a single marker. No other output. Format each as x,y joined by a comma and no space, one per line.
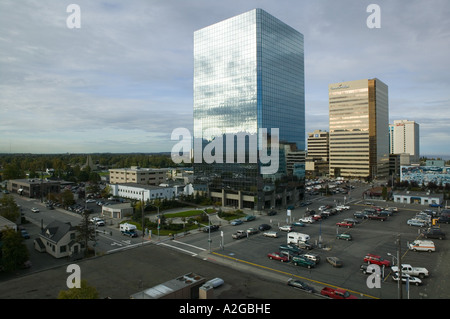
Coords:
383,238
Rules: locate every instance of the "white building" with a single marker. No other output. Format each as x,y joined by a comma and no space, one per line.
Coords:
404,138
117,211
420,198
142,192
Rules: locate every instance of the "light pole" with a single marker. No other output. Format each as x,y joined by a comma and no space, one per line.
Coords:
157,215
209,230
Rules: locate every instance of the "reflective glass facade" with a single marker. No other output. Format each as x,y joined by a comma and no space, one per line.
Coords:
359,119
248,75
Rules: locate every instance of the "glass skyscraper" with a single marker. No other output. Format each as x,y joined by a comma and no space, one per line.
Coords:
248,76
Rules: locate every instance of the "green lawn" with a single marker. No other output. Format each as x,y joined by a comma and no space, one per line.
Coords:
188,213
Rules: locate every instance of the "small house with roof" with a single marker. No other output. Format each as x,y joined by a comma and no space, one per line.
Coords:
59,240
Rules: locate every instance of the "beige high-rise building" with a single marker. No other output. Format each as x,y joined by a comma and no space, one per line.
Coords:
359,129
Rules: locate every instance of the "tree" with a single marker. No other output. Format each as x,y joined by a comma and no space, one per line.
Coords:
67,198
86,231
384,192
13,171
84,292
106,192
14,252
9,208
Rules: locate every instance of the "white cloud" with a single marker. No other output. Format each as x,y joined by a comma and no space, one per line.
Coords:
128,70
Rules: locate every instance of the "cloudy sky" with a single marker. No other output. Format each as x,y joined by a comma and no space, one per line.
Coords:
123,81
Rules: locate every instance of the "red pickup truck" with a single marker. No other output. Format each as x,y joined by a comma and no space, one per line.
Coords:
336,293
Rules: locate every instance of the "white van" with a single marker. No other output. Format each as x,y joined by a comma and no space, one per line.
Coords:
422,245
295,238
216,282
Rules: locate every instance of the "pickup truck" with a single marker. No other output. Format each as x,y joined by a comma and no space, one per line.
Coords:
336,293
412,271
239,234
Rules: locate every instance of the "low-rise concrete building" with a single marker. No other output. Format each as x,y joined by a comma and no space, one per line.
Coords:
33,188
117,211
142,192
137,175
422,198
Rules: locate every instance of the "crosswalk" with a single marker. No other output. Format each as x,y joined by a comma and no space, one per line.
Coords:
183,247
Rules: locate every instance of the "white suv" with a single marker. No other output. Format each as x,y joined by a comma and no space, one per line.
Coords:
98,221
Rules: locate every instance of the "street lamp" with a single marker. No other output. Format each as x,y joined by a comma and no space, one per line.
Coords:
209,230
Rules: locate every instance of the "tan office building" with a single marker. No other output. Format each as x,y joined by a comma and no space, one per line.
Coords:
135,174
359,129
318,153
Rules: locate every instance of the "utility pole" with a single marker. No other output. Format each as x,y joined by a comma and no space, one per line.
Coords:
399,258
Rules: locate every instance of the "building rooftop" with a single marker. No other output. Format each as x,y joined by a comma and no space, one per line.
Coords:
142,186
169,287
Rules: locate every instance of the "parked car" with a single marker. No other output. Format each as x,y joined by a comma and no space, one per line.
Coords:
405,277
334,261
354,221
287,228
416,222
278,256
272,234
313,257
344,236
252,231
337,293
375,259
300,224
239,234
264,227
210,228
306,219
24,234
303,261
290,248
435,205
433,232
365,269
344,224
361,215
304,245
271,213
249,218
236,222
300,285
